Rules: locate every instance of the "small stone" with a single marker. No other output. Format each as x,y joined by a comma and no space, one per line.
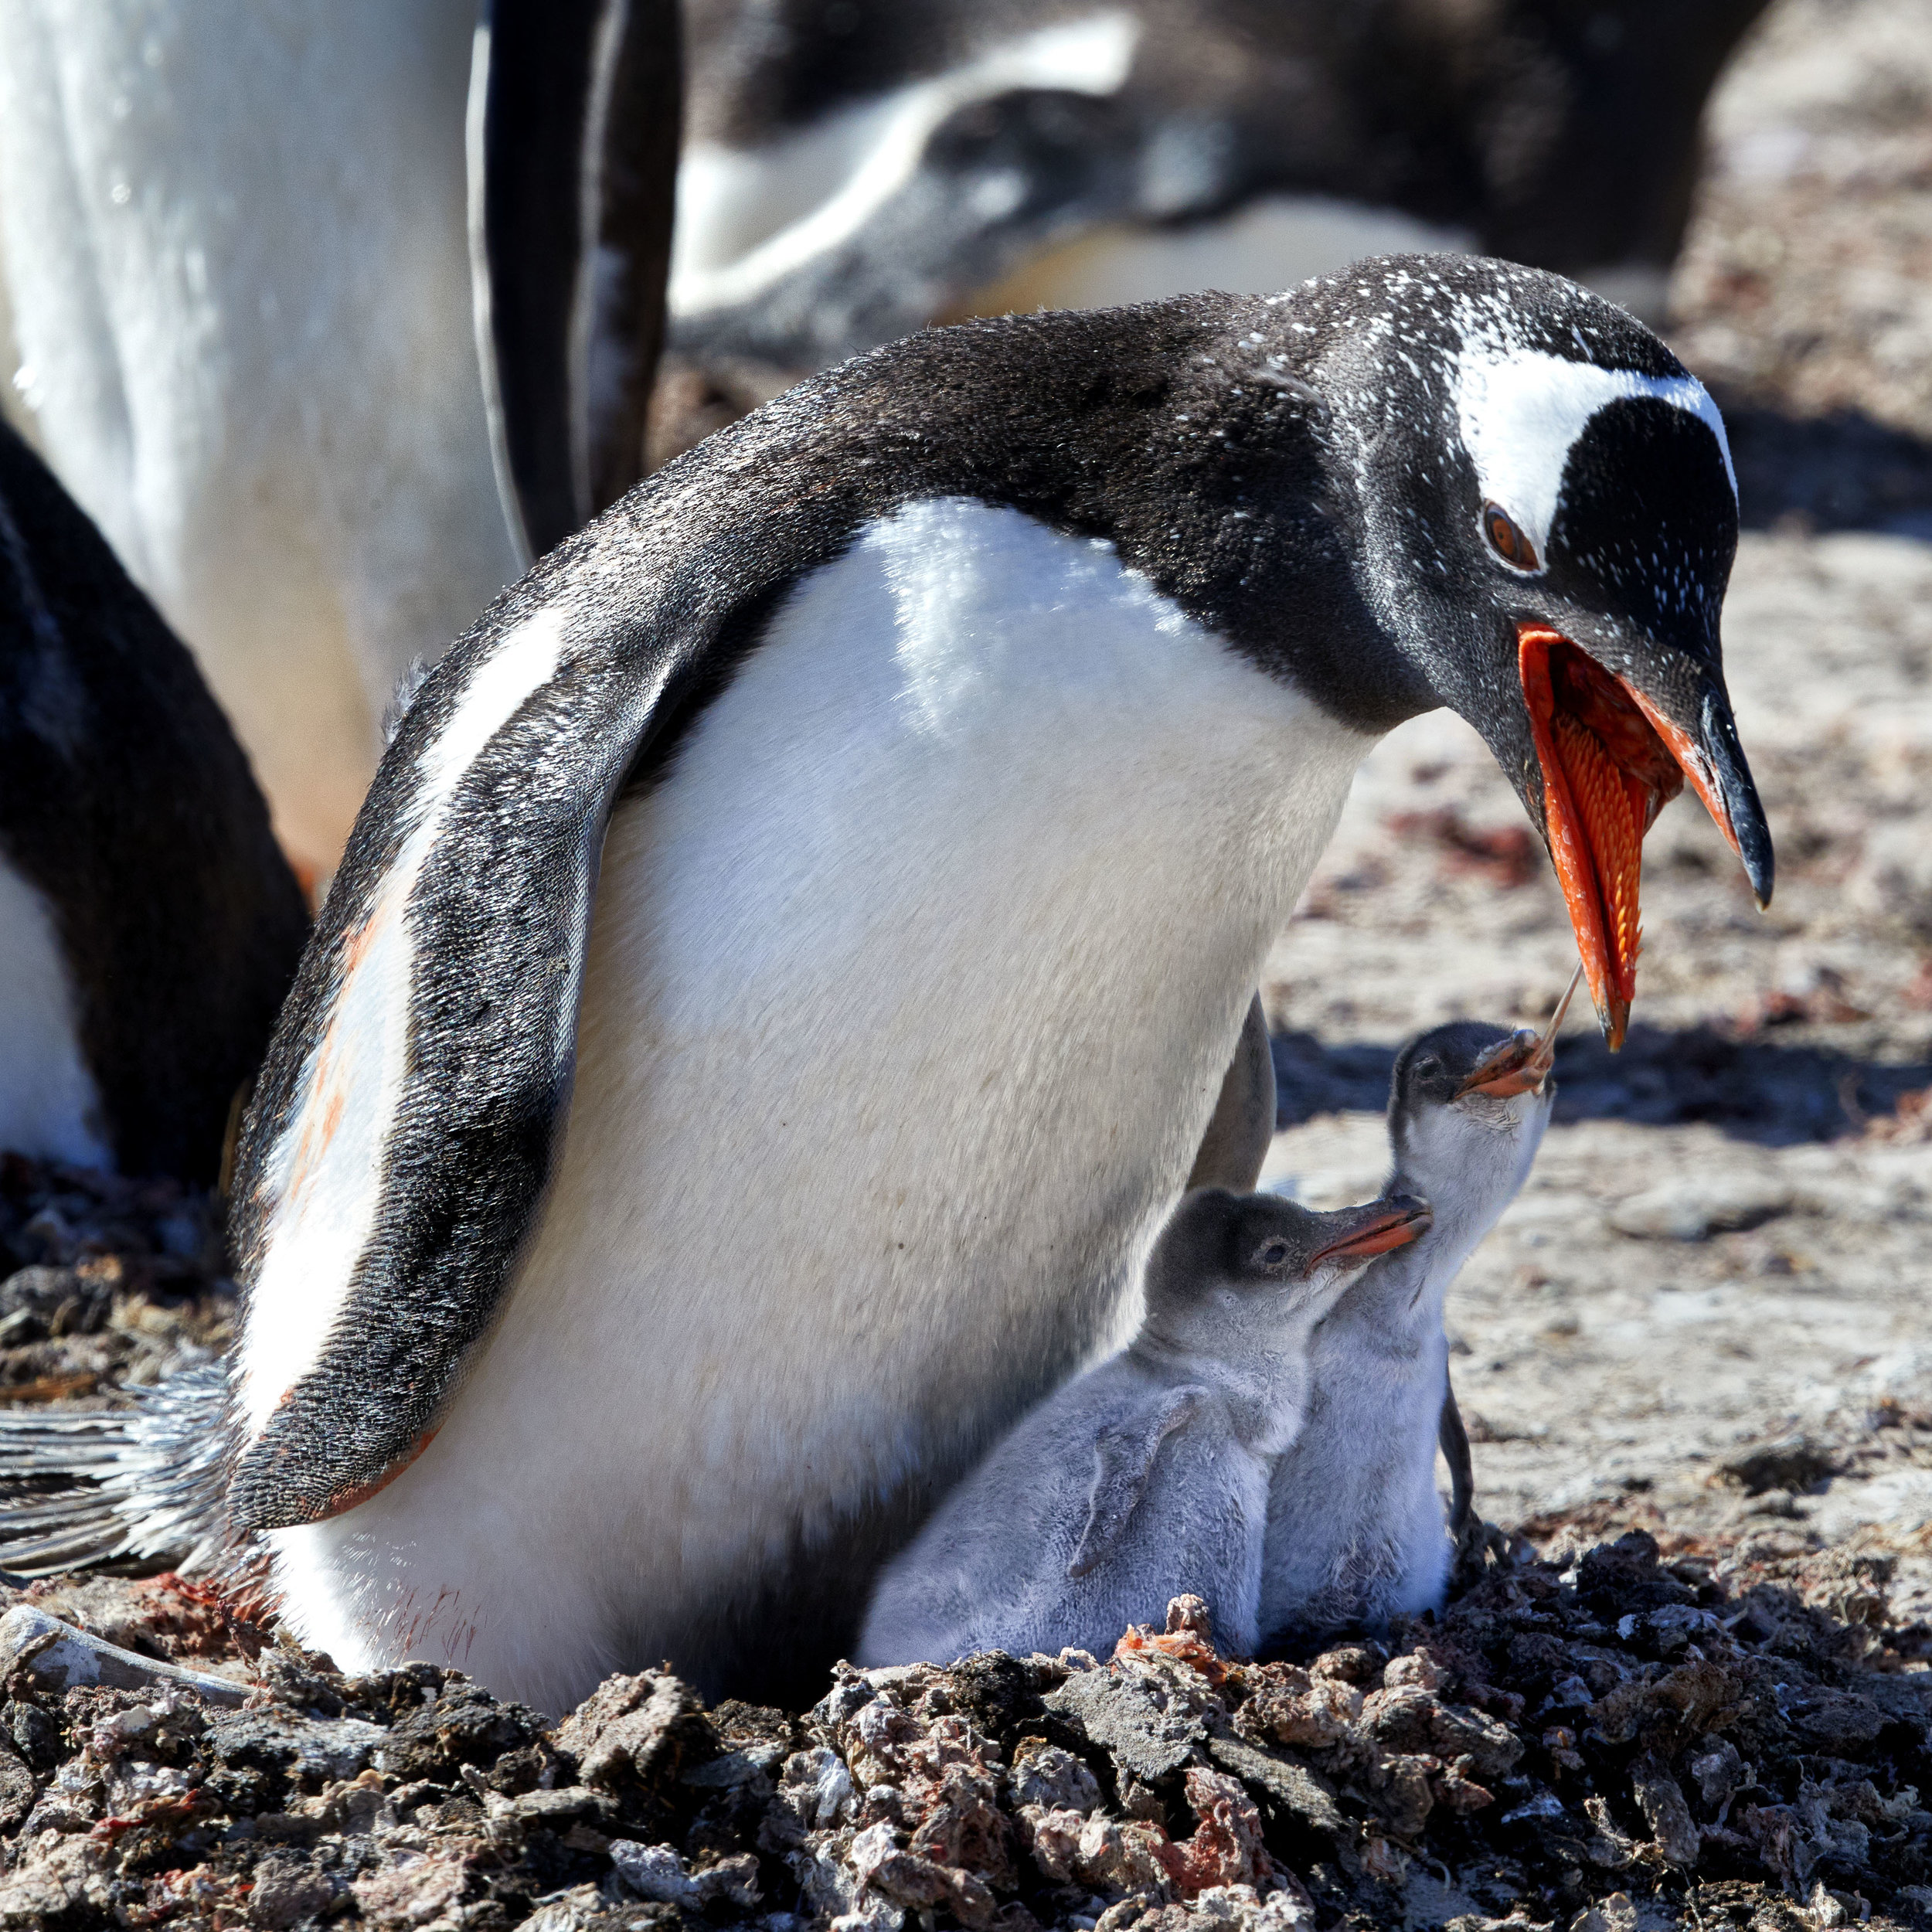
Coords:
629,1727
1661,1799
1190,1615
1412,1668
1695,1209
654,1872
58,1657
1044,1774
289,1888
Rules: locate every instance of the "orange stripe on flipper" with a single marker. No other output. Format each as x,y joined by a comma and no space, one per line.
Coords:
328,1091
345,1500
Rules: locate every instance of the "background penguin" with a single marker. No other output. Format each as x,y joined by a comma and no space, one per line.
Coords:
1355,1534
149,926
1146,1478
854,171
250,268
882,815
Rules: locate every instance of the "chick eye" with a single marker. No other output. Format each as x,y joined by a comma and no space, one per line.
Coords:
1507,539
1271,1254
1428,1064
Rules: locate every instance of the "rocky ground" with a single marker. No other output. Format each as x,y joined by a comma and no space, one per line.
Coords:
1699,1331
1601,1740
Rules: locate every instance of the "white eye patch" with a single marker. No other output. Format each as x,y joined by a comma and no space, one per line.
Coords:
1521,411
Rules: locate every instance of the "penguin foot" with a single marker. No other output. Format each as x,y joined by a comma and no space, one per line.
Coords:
1479,1546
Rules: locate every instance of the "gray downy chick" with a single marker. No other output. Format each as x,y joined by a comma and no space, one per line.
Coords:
1146,1478
1355,1536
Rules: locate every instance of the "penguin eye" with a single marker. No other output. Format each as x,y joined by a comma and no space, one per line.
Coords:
1272,1254
1507,539
1428,1065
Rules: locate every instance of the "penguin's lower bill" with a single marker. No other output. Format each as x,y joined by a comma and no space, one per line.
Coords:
1606,773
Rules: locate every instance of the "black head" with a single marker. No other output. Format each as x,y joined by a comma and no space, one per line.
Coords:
1435,1068
1468,1107
1262,1244
1536,512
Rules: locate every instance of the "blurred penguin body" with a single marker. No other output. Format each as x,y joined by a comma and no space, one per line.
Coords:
851,173
235,243
149,926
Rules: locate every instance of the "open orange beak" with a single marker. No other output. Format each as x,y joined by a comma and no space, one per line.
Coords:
1610,764
1521,1063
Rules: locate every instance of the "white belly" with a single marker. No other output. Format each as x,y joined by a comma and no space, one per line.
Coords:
234,239
909,995
49,1108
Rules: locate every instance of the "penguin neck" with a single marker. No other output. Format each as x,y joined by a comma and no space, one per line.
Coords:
1468,1169
1261,1375
1395,1308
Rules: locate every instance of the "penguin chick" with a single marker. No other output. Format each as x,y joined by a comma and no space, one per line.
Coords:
1147,1477
1354,1527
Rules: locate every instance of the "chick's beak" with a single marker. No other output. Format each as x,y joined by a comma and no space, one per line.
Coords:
1521,1063
1375,1229
1611,760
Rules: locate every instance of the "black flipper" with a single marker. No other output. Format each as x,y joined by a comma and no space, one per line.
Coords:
1473,1540
575,124
1454,1440
1123,1460
1236,1144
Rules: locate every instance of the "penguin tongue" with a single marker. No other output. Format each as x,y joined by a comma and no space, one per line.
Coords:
1606,775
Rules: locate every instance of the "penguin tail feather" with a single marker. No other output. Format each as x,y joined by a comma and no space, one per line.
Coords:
141,1484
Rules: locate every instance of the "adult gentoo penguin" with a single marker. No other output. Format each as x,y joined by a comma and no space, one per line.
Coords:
793,946
851,171
289,286
149,926
1146,1479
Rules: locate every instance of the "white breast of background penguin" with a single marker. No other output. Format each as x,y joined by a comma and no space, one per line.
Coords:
49,1107
748,217
193,202
979,803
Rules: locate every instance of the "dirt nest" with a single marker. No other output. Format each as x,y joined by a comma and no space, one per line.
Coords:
1602,1740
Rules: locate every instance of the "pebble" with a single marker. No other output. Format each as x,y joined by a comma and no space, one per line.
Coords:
1695,1209
57,1657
